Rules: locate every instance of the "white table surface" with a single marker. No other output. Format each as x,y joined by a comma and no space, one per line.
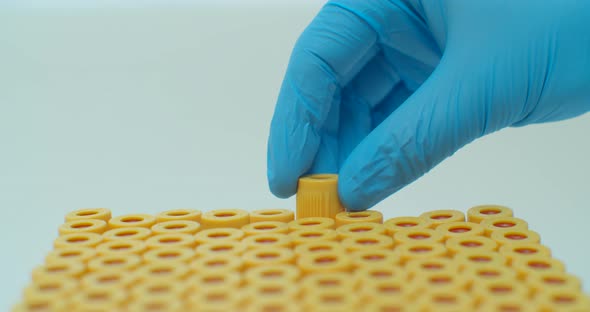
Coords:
143,110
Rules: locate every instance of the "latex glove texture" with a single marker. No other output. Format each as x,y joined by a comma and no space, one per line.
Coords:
381,91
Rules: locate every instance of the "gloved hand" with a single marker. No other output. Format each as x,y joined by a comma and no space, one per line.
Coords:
380,91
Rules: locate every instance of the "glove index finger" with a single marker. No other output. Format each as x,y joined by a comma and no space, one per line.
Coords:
329,53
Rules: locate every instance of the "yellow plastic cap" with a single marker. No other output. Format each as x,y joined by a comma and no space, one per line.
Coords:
367,241
268,256
107,280
50,288
312,223
318,246
370,274
412,251
537,264
345,217
278,215
523,250
169,254
317,196
331,301
562,300
474,258
77,240
395,225
553,280
267,291
83,225
499,288
327,281
470,243
479,213
179,214
226,248
265,227
438,281
324,262
310,235
161,271
216,263
515,304
375,257
225,218
113,262
425,266
218,235
132,220
77,254
512,236
269,240
460,229
437,217
171,240
281,272
129,233
121,247
487,272
215,280
176,226
503,223
57,269
98,299
418,235
445,301
103,214
359,228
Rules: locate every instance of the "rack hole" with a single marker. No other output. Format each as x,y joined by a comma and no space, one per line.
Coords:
81,225
504,224
86,213
132,219
224,214
440,217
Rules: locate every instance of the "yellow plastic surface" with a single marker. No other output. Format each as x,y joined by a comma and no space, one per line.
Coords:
317,196
176,226
437,217
103,214
269,240
169,254
480,213
132,220
265,227
360,228
76,254
225,218
115,263
179,214
503,223
397,224
133,233
466,243
83,225
231,260
517,251
460,229
279,215
312,223
344,217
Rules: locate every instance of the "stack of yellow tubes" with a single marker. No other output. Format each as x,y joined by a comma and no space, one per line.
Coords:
266,260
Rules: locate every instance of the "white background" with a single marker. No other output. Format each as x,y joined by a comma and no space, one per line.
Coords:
148,109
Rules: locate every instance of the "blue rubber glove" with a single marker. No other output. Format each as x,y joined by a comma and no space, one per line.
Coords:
381,91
